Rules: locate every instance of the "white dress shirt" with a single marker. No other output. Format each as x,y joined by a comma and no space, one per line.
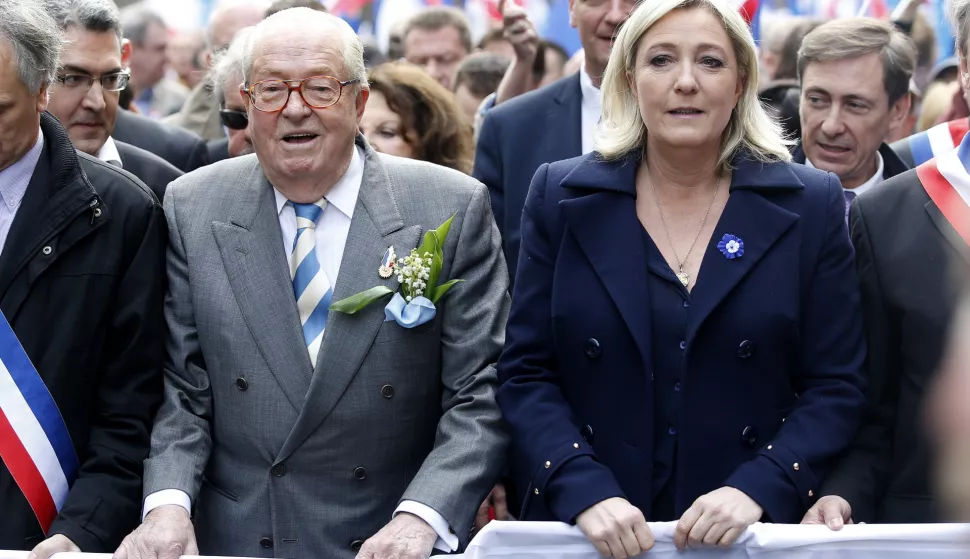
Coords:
874,181
13,185
331,236
109,153
592,104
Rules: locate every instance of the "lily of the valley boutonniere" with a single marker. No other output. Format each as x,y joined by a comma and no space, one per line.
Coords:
417,274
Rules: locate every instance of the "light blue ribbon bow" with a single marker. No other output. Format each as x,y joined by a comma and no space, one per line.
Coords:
409,315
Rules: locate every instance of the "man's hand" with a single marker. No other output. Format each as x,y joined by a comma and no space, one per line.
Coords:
54,544
405,537
830,510
498,502
616,528
167,533
717,518
520,32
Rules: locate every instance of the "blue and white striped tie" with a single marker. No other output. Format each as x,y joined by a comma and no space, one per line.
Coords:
310,283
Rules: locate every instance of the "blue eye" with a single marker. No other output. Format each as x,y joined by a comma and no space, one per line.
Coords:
712,62
661,60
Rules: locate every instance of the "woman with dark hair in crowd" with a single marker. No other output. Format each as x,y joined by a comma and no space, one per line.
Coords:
410,114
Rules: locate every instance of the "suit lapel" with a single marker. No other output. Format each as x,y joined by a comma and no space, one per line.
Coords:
376,225
251,246
757,221
947,231
569,102
606,226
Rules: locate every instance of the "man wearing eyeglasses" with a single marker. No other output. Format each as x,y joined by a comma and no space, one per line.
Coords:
85,94
289,429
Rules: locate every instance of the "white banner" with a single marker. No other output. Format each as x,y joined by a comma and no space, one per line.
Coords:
553,540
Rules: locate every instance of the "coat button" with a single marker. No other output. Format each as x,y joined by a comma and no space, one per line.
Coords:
587,433
242,384
278,470
360,473
749,436
355,545
683,344
47,250
593,349
387,391
746,349
265,542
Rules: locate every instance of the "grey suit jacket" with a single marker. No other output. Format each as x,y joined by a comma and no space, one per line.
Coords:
284,459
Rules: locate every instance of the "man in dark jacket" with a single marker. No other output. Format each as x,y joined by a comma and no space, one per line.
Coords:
94,52
179,147
81,285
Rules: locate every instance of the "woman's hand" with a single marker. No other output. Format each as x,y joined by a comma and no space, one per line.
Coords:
616,528
717,518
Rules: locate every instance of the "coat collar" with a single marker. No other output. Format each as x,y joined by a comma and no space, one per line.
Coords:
593,173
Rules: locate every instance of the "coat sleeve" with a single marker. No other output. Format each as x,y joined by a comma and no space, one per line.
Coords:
784,477
104,502
182,438
559,467
488,168
863,472
471,440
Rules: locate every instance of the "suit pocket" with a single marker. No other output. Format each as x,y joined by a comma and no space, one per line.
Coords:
207,484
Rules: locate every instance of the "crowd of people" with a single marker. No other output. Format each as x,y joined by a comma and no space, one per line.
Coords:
270,292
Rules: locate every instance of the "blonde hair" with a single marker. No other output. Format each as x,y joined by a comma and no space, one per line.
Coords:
623,131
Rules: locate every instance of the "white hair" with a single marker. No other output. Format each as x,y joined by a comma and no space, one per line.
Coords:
353,50
36,41
623,130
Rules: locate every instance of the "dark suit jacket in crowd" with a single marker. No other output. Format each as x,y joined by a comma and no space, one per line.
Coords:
892,165
218,149
88,312
181,148
774,344
906,256
515,139
154,171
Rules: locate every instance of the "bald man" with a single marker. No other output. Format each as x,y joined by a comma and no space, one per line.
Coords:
200,114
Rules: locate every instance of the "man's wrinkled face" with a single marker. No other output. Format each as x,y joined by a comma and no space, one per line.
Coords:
19,110
87,113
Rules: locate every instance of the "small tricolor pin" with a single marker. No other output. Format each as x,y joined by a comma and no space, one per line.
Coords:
387,263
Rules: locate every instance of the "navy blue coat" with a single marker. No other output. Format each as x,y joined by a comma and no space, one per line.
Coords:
539,127
772,383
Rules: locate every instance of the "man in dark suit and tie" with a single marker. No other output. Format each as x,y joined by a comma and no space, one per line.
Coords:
553,123
910,235
854,77
85,95
82,283
183,149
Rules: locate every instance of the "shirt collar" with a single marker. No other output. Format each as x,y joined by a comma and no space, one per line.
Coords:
15,178
109,152
343,195
591,93
875,180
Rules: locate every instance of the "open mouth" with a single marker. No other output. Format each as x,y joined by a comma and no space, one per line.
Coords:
685,112
838,150
299,139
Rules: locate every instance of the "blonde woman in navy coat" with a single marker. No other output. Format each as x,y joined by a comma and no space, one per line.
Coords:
685,340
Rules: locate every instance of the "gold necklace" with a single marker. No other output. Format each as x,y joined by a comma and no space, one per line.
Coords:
681,274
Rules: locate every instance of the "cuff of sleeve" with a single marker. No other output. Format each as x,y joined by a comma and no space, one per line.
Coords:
782,496
86,541
167,497
447,539
579,484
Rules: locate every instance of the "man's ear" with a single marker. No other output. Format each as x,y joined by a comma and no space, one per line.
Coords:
125,53
361,102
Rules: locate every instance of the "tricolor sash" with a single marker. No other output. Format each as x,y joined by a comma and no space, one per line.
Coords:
936,141
34,442
947,183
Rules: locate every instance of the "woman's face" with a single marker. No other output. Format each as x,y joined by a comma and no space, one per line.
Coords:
686,80
382,127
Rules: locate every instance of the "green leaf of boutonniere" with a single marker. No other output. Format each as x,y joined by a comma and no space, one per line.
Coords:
433,243
442,289
354,303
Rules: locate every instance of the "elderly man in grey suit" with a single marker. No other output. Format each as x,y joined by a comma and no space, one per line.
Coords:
289,431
